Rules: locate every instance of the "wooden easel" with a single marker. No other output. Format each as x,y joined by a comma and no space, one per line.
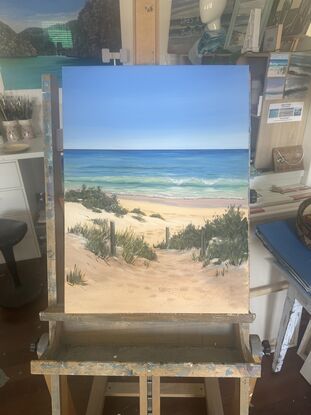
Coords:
145,346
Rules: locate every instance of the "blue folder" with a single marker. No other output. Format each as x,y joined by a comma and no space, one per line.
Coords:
281,238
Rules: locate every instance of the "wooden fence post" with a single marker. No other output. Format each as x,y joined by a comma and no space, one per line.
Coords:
167,237
113,248
203,247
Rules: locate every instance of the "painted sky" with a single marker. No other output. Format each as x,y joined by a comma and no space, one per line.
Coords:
20,14
156,107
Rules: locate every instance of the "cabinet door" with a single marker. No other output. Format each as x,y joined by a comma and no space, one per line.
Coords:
9,176
13,206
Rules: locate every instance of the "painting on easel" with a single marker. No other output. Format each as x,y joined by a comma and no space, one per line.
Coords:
156,189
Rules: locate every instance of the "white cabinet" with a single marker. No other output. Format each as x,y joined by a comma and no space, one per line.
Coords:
14,205
9,177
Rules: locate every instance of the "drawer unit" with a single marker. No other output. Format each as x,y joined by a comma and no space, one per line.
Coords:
19,185
13,203
9,176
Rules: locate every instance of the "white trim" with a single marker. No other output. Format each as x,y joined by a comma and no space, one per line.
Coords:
163,30
127,28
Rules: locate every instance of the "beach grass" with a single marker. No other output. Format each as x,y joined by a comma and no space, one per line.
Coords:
138,211
225,238
157,216
134,247
97,237
139,218
75,277
95,199
97,240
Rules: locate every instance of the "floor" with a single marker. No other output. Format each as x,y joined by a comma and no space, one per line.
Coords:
286,393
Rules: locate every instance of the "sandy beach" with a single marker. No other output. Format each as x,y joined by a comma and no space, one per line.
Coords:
174,283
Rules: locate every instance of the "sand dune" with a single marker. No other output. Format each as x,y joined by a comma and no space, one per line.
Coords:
174,283
177,214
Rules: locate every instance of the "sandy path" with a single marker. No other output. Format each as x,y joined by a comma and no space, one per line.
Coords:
172,284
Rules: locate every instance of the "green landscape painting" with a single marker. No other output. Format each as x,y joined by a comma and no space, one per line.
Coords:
42,36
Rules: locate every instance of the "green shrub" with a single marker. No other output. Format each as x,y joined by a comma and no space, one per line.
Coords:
139,218
133,247
188,238
228,225
97,237
75,277
138,212
230,231
232,250
161,245
157,216
100,222
94,198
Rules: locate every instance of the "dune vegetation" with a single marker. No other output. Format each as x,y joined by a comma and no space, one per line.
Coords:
95,199
75,277
97,240
224,238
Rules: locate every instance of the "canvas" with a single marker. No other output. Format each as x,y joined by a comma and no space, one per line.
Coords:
156,166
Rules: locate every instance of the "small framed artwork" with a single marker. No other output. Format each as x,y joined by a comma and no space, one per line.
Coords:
272,38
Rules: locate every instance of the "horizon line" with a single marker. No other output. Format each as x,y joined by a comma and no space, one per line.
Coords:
152,149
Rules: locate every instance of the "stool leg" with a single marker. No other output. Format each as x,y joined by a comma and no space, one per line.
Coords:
8,254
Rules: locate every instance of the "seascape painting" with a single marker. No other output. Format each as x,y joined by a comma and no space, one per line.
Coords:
156,167
42,36
298,76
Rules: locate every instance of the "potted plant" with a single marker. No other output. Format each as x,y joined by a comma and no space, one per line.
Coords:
8,113
24,108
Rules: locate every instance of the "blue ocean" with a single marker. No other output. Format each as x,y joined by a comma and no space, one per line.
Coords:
26,73
160,173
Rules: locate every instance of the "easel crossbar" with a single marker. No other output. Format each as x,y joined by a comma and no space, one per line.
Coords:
57,314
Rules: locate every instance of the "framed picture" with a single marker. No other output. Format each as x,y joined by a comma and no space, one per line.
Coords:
156,164
272,38
299,75
39,37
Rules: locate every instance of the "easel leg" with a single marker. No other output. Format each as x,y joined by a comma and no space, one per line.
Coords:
156,401
290,318
143,395
213,397
241,396
257,353
48,382
61,397
97,396
252,384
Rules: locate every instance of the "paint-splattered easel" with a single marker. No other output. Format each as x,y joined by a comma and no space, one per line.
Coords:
144,346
